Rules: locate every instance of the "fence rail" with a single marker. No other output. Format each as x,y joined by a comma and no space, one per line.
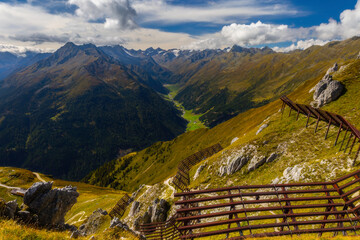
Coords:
239,212
331,119
182,178
119,209
271,210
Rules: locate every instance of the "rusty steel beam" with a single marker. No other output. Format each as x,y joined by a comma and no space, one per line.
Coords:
328,128
338,134
352,145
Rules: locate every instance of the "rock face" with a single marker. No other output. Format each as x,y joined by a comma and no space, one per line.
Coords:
135,207
50,205
11,208
157,212
272,157
327,90
160,209
237,159
93,222
262,127
199,170
256,162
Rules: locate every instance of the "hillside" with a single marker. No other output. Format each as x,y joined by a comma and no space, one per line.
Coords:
298,145
77,109
220,84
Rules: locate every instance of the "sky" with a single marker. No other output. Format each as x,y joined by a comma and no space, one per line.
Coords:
284,25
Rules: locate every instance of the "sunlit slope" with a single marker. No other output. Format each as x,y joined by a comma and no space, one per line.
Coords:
159,161
236,81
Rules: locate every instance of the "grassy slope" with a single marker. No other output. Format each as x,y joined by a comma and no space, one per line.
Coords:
319,159
234,82
90,199
11,230
159,161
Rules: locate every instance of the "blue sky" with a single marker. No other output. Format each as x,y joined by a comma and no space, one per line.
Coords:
282,24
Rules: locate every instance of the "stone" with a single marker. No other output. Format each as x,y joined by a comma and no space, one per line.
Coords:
115,222
199,170
333,69
272,157
24,216
11,208
75,234
160,209
237,164
50,205
234,140
261,128
293,173
135,208
222,171
256,162
327,90
93,223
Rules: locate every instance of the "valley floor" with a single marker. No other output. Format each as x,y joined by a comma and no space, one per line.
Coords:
193,119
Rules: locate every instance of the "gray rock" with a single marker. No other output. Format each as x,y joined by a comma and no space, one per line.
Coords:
272,157
234,140
237,164
199,170
327,90
93,223
159,211
115,222
50,205
147,217
222,171
24,216
135,208
333,69
256,162
11,208
75,234
262,127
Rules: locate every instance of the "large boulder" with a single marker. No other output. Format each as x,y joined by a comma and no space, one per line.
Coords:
11,208
327,90
256,162
160,210
237,163
50,205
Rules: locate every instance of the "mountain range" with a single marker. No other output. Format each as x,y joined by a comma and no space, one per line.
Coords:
82,106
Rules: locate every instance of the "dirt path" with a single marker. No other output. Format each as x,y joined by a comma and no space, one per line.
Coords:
8,187
38,177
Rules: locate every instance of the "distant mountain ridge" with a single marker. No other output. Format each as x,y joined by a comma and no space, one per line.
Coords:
71,112
10,63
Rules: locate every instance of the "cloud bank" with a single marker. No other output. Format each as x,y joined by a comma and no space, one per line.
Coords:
261,33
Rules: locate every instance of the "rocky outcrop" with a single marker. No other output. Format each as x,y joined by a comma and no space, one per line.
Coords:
237,159
50,205
93,223
11,208
160,209
293,173
237,164
135,208
272,157
199,170
157,212
327,90
256,162
262,127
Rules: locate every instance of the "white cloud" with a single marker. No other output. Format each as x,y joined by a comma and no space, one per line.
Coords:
348,26
161,12
117,13
261,33
302,44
